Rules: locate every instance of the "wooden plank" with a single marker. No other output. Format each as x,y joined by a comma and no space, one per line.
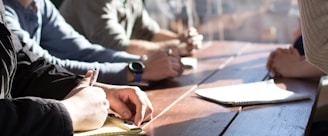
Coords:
194,116
184,117
278,119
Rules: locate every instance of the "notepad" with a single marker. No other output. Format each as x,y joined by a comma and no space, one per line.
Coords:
189,62
112,127
264,92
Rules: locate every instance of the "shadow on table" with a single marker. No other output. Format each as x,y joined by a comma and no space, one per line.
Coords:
213,124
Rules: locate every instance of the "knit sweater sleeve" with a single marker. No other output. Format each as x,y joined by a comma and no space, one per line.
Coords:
314,21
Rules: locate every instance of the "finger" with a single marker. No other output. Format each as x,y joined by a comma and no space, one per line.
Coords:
191,31
149,110
282,50
107,104
121,108
175,53
190,47
139,106
274,72
196,38
295,52
181,69
198,44
269,62
87,77
144,109
175,63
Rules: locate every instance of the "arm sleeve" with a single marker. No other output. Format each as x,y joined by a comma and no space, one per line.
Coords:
34,116
61,40
145,27
28,115
314,21
108,23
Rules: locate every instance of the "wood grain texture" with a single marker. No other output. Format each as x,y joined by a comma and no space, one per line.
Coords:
180,112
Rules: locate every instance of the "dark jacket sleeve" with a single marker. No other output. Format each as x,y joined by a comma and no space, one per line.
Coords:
34,116
37,77
30,80
22,115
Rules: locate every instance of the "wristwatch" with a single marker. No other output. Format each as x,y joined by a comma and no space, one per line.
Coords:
136,67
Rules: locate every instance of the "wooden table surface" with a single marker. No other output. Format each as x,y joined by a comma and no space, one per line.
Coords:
179,112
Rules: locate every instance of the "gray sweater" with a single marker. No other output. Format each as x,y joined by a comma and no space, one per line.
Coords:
314,19
111,23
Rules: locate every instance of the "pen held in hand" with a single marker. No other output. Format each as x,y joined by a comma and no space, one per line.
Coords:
94,76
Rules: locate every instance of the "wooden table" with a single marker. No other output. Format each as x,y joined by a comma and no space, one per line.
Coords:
179,112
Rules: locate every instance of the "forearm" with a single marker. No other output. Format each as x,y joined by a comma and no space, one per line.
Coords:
307,70
142,47
164,35
315,31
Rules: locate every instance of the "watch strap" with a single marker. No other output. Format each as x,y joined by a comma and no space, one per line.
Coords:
137,77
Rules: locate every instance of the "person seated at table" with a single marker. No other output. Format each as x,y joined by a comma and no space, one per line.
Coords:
291,62
38,98
40,26
315,31
125,26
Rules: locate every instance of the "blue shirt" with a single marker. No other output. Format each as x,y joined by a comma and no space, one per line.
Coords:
45,32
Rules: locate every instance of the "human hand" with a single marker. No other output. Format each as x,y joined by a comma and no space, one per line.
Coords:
162,64
87,105
190,40
284,62
129,102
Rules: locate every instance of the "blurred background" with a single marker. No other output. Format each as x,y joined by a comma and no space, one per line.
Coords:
261,21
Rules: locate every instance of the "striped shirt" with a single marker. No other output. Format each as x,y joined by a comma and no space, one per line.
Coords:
314,21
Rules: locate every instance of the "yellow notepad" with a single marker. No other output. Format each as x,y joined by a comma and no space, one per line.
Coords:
112,127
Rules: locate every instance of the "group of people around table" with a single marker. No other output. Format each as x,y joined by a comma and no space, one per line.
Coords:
47,58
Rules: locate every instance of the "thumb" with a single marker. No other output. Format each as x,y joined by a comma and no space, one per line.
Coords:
83,82
87,78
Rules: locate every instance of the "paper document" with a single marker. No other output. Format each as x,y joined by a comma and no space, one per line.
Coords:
189,62
263,92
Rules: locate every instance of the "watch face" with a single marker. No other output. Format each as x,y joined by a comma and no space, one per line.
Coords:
136,67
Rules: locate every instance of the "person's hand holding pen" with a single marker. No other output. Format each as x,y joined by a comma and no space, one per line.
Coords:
87,104
284,62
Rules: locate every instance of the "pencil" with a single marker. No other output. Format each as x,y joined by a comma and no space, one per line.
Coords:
94,76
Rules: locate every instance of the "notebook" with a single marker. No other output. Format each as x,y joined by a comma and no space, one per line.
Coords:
112,127
264,92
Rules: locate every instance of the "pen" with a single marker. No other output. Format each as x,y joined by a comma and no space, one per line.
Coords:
94,76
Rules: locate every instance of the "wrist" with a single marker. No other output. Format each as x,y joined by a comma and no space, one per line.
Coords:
136,68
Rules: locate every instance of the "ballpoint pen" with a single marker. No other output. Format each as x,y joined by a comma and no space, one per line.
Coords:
94,76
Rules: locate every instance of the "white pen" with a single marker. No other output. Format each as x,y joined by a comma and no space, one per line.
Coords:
94,76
